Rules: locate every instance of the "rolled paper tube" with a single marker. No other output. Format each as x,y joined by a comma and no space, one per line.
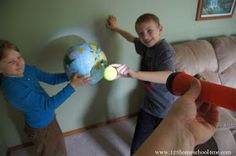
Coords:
178,83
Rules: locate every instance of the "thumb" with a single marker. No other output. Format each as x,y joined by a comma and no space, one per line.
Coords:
194,90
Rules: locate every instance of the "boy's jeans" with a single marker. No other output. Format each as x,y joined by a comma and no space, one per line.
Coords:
146,123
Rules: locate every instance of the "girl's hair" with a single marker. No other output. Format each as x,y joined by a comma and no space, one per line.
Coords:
147,17
6,45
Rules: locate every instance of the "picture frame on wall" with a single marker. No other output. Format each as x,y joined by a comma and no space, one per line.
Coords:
215,9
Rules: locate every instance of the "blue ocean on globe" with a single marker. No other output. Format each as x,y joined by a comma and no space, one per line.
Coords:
85,59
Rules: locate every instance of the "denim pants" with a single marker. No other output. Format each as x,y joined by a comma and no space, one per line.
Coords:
146,124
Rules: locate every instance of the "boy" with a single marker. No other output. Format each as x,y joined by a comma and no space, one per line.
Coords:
157,55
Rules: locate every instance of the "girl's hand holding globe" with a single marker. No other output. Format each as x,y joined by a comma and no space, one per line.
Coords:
85,59
78,81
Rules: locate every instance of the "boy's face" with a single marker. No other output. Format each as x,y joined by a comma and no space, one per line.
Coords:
149,33
12,64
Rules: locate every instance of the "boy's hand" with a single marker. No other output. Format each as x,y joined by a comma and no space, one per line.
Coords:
122,70
111,23
77,81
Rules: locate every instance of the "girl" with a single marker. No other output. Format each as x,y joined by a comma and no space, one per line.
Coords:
21,88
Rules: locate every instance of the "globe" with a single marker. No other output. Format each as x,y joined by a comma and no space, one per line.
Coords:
85,59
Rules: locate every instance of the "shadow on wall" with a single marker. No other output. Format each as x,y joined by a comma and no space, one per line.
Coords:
3,147
50,58
14,126
99,107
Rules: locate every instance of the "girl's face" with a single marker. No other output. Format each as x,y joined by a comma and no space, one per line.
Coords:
12,63
149,33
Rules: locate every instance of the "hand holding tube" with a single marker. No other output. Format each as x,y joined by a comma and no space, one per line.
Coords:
178,83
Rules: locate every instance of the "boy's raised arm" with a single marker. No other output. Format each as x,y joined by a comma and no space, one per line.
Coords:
112,25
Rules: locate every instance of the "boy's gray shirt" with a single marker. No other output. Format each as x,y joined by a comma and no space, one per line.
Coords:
160,57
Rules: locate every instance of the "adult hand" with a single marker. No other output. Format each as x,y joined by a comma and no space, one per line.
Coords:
199,118
187,124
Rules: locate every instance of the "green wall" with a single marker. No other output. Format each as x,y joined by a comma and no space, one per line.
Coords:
44,29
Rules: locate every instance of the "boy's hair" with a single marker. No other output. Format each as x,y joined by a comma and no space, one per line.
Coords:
147,17
6,45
